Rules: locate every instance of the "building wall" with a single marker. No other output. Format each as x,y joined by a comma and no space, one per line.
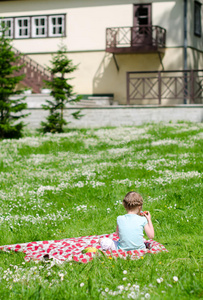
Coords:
86,24
195,43
195,59
97,72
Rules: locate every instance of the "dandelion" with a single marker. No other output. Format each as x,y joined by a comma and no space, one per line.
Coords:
175,278
136,287
125,272
132,295
82,284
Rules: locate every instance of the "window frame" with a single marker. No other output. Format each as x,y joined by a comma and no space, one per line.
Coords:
136,8
197,19
10,28
18,28
15,28
57,25
33,34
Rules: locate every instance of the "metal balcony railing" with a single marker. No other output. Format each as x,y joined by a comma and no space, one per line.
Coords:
162,86
140,39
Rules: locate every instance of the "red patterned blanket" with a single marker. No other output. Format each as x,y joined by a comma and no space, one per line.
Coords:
72,249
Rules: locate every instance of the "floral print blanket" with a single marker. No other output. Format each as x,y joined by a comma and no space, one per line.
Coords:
72,249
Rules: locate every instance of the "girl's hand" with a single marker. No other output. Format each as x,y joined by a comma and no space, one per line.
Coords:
143,212
147,215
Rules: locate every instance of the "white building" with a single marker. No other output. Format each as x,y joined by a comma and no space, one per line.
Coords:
108,38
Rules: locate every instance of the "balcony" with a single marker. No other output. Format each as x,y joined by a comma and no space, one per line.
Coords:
138,39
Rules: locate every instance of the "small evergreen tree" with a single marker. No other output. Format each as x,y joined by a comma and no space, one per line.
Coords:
61,91
10,109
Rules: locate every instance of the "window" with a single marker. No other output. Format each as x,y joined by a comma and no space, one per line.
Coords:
22,27
197,19
56,25
34,26
142,15
8,24
142,19
39,26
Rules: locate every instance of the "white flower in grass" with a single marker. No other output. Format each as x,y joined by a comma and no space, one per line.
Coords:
136,287
125,272
147,295
158,280
175,278
82,284
132,295
124,278
106,290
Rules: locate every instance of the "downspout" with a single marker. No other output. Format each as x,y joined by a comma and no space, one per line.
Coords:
185,34
185,51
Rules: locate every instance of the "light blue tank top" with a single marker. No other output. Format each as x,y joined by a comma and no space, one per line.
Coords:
131,228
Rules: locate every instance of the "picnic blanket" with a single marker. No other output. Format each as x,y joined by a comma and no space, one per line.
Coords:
71,249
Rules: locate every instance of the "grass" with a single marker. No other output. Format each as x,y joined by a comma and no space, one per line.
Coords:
72,184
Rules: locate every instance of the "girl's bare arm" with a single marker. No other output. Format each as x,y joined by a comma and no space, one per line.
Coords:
149,229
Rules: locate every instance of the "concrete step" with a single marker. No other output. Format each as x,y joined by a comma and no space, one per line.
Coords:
36,101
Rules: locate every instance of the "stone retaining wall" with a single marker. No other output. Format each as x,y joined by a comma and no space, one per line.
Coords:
120,116
104,112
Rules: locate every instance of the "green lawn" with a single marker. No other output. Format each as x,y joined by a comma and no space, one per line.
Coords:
72,184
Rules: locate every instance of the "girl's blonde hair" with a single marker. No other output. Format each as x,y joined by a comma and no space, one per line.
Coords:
132,200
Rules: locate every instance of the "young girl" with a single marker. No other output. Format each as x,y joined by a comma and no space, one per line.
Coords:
130,226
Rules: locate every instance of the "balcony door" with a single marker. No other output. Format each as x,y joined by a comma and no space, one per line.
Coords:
142,29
